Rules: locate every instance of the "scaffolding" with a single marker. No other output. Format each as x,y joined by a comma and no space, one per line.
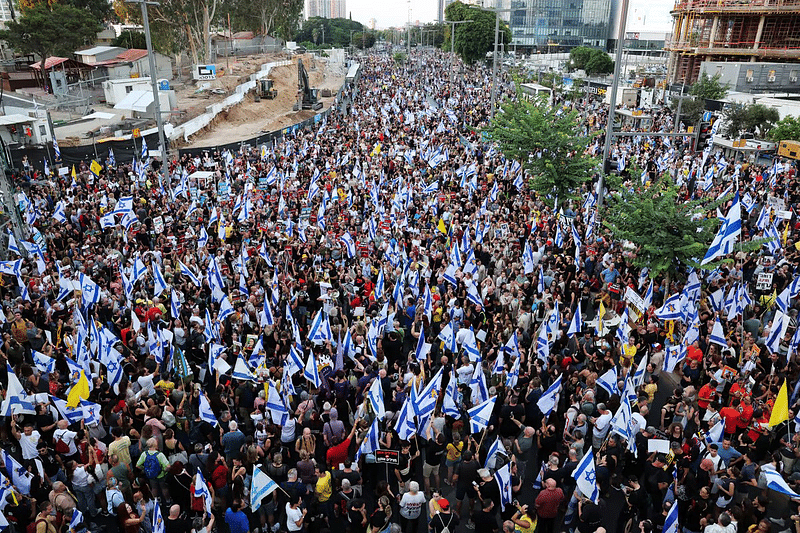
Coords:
731,30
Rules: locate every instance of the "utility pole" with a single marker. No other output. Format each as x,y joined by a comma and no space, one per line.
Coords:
494,55
453,41
154,82
613,104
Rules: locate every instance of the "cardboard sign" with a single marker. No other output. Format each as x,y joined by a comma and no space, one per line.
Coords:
158,225
764,281
389,457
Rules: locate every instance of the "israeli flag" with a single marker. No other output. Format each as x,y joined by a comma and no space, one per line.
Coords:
718,335
495,449
671,310
480,414
20,477
261,487
406,427
450,403
375,398
427,399
371,441
548,401
206,413
159,283
585,477
186,271
608,382
503,478
715,432
513,376
576,324
350,246
671,522
776,482
44,363
423,348
201,490
310,371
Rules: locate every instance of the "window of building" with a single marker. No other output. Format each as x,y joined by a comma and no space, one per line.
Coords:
42,131
128,89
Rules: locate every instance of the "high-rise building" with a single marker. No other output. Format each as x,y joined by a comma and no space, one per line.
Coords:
558,25
329,9
731,30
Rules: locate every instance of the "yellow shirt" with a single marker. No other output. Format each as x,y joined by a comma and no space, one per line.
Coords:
651,389
324,488
454,452
528,519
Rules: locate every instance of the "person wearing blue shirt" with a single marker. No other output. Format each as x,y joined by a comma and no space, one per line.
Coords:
236,519
610,274
233,441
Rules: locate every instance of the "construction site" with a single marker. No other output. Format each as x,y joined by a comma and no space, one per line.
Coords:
731,30
269,106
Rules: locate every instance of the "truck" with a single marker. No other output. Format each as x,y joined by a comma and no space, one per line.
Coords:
790,149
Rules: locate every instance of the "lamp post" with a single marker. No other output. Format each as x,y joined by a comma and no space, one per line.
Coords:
154,82
494,55
613,104
452,42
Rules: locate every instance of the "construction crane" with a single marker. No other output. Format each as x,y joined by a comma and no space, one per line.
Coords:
306,96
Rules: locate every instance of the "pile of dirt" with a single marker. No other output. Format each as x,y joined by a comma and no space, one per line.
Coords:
250,118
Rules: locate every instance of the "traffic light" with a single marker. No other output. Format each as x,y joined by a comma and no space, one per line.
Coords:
703,135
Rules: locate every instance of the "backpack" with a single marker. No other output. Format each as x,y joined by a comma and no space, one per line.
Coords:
446,529
32,526
61,446
152,466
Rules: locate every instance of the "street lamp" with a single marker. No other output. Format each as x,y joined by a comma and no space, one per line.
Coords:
494,55
452,42
613,104
154,82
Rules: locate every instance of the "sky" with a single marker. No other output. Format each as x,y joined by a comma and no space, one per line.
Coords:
643,15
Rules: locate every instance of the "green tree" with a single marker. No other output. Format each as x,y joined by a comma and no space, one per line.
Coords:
592,60
709,87
755,118
476,39
550,145
130,39
787,129
335,31
364,40
46,31
691,110
668,234
277,18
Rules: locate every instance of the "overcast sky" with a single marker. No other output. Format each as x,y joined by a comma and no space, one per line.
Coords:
644,15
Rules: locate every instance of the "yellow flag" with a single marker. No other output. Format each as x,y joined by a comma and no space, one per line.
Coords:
786,233
780,411
601,312
95,168
74,174
78,391
441,227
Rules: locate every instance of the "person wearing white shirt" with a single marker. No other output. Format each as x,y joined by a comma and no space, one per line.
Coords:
67,436
294,515
28,439
465,371
601,426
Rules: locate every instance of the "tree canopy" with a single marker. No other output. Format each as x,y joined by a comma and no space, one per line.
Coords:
592,60
755,118
709,87
336,32
668,234
474,40
47,30
787,129
549,144
130,39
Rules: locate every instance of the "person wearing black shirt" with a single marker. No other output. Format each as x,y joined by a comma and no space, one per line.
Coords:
508,429
434,450
175,522
356,516
485,520
488,489
444,518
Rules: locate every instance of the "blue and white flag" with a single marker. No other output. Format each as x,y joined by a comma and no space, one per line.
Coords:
671,310
718,335
371,441
423,348
450,402
158,519
159,283
20,477
375,398
405,426
728,233
310,371
261,487
44,363
776,482
671,522
495,449
426,401
585,477
186,271
201,491
205,411
480,414
56,150
608,382
503,478
549,399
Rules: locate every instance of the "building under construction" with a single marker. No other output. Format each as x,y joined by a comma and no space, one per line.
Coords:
731,30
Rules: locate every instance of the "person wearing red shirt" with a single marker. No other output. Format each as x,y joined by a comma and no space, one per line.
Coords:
731,416
746,415
706,394
338,454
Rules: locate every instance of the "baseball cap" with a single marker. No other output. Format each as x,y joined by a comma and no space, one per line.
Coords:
444,504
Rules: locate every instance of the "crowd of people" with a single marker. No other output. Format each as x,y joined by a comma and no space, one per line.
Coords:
376,325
